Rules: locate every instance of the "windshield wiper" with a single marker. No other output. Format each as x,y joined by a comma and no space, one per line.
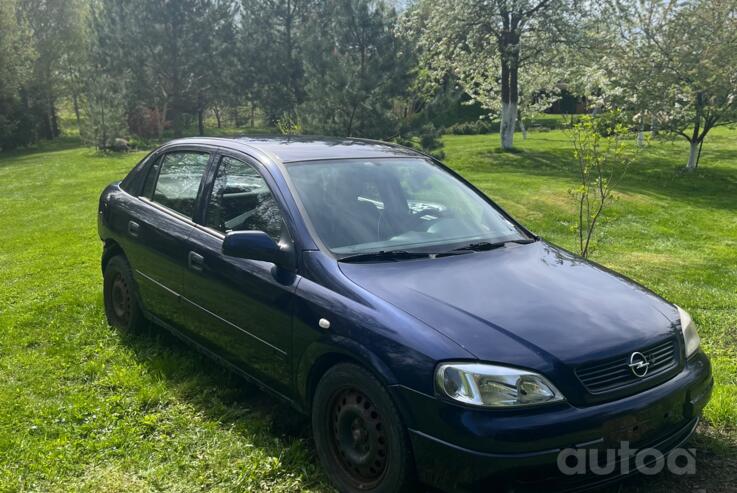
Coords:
384,255
394,255
483,246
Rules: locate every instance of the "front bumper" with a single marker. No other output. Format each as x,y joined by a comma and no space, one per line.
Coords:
459,448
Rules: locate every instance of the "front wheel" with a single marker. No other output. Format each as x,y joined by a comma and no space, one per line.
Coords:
121,304
360,437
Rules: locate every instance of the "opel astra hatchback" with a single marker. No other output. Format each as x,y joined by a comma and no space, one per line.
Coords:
431,337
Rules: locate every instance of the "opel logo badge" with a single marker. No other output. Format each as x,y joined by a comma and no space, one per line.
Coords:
639,364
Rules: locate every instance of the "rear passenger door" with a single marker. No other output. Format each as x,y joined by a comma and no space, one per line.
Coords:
241,308
158,227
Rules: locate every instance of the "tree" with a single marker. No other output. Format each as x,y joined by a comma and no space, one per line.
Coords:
677,64
487,45
273,33
218,58
170,74
16,59
355,69
56,35
599,150
104,111
177,53
104,79
223,85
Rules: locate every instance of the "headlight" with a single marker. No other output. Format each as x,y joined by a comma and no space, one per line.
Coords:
690,335
494,386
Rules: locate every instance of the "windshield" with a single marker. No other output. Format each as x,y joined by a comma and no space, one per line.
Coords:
371,205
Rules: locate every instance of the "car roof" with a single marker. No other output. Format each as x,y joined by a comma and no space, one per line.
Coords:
287,149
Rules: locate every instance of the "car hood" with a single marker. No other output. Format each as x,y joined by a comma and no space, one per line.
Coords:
531,305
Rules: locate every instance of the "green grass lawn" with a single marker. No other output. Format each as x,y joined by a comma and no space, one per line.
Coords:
85,408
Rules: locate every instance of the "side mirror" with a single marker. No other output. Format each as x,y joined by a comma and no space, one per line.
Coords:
257,245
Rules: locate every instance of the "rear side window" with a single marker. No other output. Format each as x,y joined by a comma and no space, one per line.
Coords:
177,178
150,183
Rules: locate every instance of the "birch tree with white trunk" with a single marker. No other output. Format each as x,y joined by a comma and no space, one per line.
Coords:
502,52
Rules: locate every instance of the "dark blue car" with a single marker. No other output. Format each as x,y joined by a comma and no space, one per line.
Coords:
430,337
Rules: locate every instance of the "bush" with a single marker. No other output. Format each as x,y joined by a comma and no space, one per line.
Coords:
539,123
473,128
17,128
602,158
425,139
144,122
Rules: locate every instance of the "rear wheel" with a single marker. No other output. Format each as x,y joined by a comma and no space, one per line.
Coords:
121,304
360,438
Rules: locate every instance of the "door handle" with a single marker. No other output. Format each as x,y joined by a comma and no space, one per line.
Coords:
195,261
133,228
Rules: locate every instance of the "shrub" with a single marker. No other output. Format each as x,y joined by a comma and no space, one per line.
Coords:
600,152
473,127
425,139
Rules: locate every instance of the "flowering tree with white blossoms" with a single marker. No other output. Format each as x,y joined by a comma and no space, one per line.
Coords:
502,52
676,64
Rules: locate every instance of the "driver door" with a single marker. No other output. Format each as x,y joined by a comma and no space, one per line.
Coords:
239,307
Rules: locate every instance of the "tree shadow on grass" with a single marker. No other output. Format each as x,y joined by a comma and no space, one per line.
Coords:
651,175
49,154
59,144
190,373
230,400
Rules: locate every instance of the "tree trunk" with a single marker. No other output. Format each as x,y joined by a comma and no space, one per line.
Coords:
75,103
693,156
641,133
53,123
522,127
506,129
178,122
349,125
217,116
162,119
55,132
103,142
695,140
200,122
508,42
48,133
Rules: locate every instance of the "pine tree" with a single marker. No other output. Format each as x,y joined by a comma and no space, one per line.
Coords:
356,67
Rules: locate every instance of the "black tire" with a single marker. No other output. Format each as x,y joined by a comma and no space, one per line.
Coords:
121,300
360,438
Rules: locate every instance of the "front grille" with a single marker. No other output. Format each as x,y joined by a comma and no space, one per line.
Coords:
615,373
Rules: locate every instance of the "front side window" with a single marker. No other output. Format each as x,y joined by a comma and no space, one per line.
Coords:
179,176
241,201
369,205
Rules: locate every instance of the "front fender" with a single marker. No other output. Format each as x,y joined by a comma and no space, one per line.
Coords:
395,346
322,355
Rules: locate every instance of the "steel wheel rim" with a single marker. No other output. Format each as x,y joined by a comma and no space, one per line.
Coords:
357,436
120,298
